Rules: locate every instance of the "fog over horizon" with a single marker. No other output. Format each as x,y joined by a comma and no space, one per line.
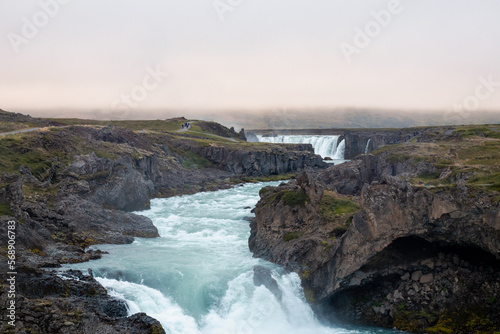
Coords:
130,60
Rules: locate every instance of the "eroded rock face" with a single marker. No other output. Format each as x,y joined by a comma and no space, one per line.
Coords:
392,211
409,249
286,233
87,199
275,161
365,142
70,302
418,283
127,185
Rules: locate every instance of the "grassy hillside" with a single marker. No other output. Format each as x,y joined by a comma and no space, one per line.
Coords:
473,149
470,150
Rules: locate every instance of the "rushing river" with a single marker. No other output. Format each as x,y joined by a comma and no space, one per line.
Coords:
198,277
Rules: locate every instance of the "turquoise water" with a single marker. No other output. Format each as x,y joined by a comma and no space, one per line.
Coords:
197,278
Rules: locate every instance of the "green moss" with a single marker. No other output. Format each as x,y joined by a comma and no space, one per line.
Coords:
441,328
294,197
309,294
36,251
291,236
397,158
157,329
429,176
264,191
469,132
192,160
105,154
349,220
5,210
39,151
20,150
448,321
490,181
330,206
326,244
386,148
305,274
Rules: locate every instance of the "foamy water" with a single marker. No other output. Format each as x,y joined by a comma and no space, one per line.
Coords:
326,146
198,277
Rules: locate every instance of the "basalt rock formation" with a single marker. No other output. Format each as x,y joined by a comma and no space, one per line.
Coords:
71,187
72,303
374,245
361,142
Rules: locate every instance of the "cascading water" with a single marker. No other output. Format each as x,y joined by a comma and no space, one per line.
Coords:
326,146
198,277
367,145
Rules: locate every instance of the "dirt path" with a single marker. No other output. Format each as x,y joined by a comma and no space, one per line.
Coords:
19,131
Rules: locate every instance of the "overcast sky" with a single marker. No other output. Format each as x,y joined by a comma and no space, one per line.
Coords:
115,55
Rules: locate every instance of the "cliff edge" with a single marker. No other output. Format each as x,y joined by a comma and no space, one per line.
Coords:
407,237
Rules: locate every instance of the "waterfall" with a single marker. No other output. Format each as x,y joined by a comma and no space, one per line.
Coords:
326,146
367,145
199,278
339,154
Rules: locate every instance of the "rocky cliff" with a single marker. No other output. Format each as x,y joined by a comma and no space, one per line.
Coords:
361,142
70,187
404,238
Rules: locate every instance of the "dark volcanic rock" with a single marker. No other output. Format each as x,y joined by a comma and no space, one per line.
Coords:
358,142
270,161
47,303
126,188
263,276
407,250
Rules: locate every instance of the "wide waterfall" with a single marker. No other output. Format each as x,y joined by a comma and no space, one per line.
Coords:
326,146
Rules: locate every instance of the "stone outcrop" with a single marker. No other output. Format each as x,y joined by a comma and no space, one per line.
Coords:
274,161
70,302
255,161
357,143
411,257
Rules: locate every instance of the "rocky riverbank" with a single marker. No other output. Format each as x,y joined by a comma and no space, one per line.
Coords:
74,186
408,237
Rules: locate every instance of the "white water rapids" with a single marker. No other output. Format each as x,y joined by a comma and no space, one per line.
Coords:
197,278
